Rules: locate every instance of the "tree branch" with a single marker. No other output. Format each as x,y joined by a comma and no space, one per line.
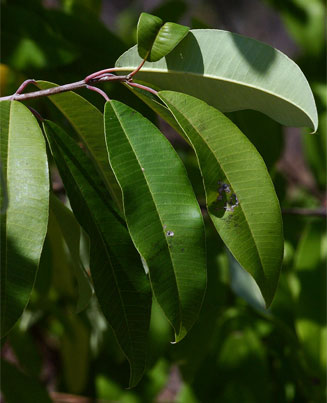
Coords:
99,76
319,212
45,93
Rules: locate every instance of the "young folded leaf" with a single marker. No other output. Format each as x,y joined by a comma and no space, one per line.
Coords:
241,199
162,213
155,39
24,223
231,72
120,283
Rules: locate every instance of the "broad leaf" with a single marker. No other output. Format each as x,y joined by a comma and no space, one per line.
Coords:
87,120
24,223
232,72
71,233
161,211
119,280
155,39
240,195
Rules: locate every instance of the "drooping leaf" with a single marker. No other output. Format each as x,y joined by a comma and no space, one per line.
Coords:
161,211
119,280
71,233
232,72
18,387
87,120
240,195
24,223
155,39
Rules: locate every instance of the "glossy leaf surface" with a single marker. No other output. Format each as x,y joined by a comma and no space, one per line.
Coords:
161,211
87,120
155,39
232,72
240,195
119,280
24,223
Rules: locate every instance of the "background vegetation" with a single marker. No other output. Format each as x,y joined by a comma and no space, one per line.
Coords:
238,351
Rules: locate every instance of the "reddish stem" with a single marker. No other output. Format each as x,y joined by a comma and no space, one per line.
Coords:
132,74
24,85
99,73
96,89
143,87
36,114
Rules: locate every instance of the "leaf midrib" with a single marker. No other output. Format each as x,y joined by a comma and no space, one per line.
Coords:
143,172
218,78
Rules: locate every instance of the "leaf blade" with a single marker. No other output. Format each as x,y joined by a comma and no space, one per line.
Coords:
162,213
232,72
248,225
24,223
123,293
155,39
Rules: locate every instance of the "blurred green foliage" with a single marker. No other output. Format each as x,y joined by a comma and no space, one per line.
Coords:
237,351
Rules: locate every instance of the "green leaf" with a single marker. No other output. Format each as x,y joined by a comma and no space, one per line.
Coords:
87,120
155,39
71,232
232,72
24,224
119,280
18,387
162,213
240,196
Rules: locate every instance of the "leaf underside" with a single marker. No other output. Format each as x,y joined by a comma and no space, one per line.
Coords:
231,72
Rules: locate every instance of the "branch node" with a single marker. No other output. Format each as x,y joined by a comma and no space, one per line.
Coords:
24,85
